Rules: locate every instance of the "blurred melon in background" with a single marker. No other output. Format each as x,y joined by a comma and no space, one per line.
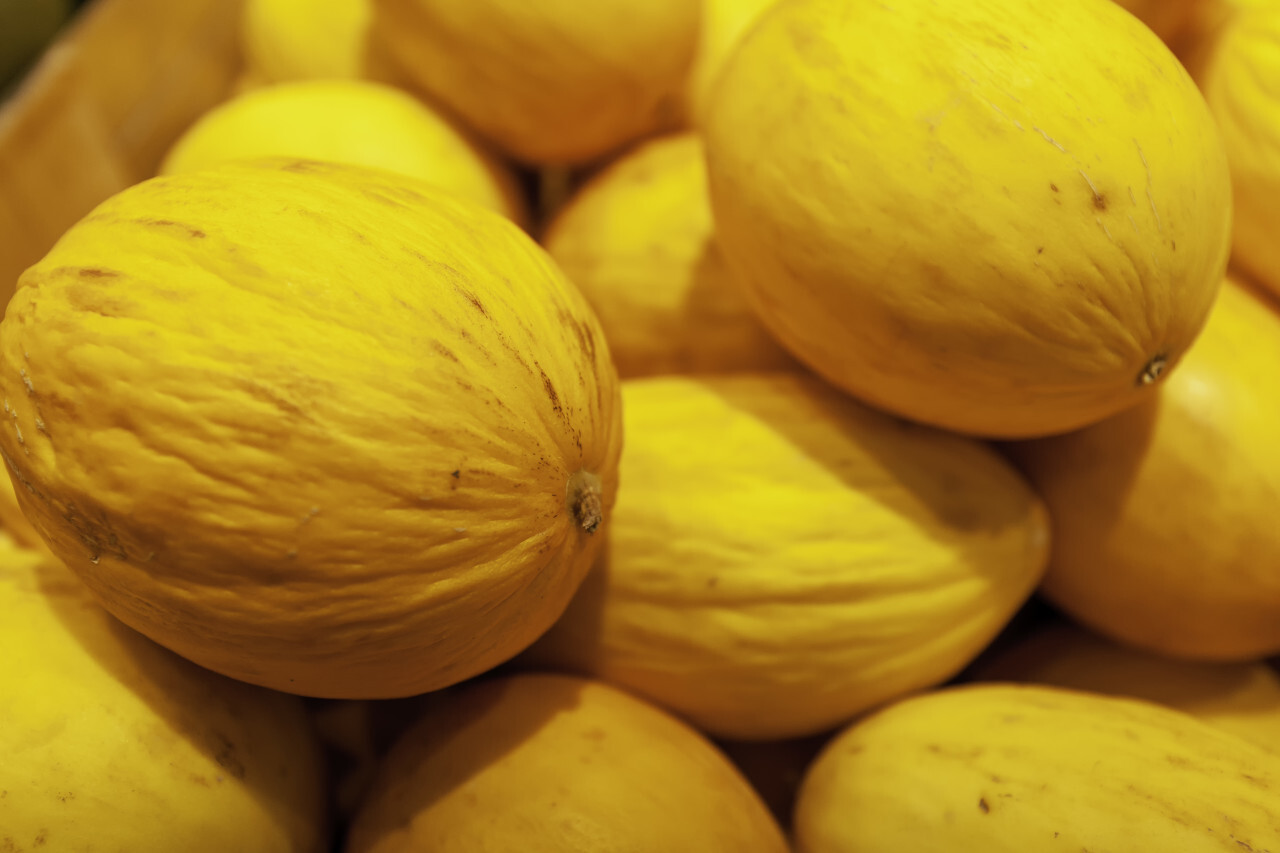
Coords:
638,241
360,122
1239,72
552,83
303,40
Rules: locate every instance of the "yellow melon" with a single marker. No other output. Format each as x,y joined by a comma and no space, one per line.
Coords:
302,40
553,82
1009,768
545,763
112,743
1240,76
317,427
1001,218
724,22
782,558
637,240
349,121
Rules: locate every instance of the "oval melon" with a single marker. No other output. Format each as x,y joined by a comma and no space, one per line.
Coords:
1007,768
317,427
1001,218
112,743
782,558
557,82
545,763
349,121
724,22
301,40
638,241
1240,76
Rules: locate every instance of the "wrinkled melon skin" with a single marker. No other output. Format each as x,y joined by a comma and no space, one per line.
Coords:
1006,768
114,744
1003,218
315,427
783,558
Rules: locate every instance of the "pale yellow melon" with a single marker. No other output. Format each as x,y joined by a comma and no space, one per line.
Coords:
1001,218
544,763
638,241
349,121
782,558
305,40
113,744
1240,76
552,82
723,24
1004,768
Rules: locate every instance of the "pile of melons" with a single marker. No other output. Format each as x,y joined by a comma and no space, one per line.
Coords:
837,426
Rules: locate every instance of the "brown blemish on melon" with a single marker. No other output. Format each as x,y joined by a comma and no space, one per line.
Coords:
474,300
303,167
169,223
551,391
225,755
445,351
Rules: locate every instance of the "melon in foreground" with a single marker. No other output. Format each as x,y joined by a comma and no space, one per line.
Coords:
1000,218
113,743
1007,768
312,426
546,763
